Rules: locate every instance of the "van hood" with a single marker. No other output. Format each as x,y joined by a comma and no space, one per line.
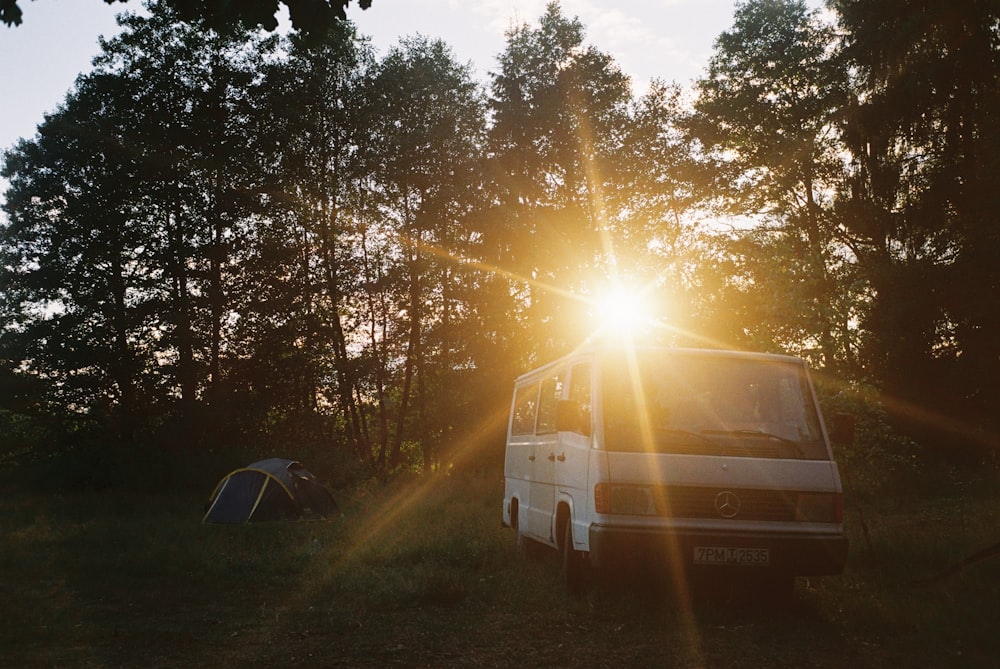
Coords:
723,471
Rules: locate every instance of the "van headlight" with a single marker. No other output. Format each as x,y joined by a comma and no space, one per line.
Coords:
812,507
619,499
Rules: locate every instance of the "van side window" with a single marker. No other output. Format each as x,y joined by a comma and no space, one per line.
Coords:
579,392
795,410
551,394
525,404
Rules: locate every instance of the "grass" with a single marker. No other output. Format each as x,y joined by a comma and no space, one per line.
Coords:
420,574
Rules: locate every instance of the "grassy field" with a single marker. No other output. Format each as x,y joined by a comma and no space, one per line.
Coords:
420,574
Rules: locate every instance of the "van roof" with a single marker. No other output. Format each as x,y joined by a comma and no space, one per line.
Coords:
596,351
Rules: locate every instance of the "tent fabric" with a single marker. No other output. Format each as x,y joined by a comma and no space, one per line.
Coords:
273,489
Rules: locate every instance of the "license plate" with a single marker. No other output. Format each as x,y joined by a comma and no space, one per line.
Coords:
740,556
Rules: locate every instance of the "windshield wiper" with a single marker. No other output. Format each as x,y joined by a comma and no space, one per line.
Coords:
698,436
760,434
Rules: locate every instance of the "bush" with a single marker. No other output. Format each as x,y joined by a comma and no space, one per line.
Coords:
878,451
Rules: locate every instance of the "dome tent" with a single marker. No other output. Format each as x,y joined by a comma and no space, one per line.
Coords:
273,489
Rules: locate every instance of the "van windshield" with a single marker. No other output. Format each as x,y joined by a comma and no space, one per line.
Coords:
698,402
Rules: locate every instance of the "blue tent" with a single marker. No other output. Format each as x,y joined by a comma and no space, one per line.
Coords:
273,489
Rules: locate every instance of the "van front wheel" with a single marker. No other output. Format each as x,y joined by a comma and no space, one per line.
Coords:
574,564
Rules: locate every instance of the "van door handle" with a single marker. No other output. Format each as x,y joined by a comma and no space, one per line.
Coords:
552,457
562,457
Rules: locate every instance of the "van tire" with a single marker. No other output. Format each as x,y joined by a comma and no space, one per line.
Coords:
573,570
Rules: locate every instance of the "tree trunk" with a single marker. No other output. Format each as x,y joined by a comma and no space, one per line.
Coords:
412,346
123,366
186,375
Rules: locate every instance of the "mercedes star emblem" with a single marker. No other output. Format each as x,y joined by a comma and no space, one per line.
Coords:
727,504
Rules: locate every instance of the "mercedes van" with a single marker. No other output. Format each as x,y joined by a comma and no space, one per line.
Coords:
701,460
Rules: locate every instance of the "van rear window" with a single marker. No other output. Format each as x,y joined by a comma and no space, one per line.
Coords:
683,402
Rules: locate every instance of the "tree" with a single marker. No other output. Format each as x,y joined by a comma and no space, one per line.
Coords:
125,215
656,225
766,115
76,292
310,261
923,181
560,111
426,121
192,101
311,17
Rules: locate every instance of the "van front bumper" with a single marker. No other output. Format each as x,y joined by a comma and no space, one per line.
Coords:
799,554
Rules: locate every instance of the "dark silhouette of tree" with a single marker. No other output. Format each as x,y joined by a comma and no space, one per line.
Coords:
73,283
134,228
923,135
426,133
193,103
309,261
311,17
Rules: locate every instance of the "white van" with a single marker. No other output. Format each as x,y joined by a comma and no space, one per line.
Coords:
708,460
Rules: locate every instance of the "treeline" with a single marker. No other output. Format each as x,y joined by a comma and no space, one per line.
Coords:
235,238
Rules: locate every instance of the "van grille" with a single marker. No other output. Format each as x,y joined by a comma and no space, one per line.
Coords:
695,502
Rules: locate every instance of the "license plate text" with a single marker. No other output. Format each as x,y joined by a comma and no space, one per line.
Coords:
732,555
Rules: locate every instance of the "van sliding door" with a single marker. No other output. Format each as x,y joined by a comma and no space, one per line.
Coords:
573,450
542,495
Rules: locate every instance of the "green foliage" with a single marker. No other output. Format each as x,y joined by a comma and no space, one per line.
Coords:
923,135
559,156
21,438
766,116
879,453
190,258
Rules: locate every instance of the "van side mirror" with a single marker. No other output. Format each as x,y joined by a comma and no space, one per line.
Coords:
570,417
842,428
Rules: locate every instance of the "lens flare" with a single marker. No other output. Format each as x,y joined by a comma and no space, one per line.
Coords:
624,312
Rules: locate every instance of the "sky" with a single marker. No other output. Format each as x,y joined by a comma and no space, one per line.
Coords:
664,39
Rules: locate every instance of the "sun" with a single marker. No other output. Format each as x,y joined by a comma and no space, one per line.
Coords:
624,312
